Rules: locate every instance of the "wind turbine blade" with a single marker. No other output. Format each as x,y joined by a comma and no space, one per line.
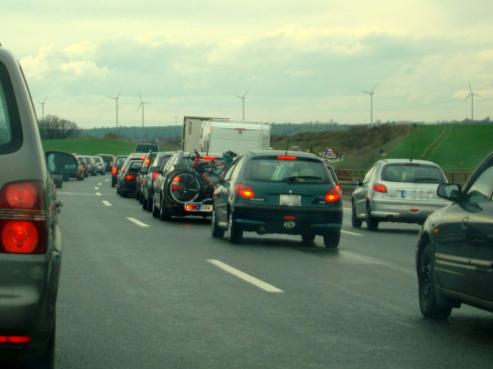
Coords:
238,96
374,87
246,93
119,93
366,92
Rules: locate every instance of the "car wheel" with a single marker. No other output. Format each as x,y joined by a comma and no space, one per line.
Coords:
371,222
355,222
235,233
163,213
308,238
431,303
216,231
155,211
149,204
144,204
137,195
332,239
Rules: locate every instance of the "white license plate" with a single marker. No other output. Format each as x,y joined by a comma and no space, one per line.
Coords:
290,200
207,208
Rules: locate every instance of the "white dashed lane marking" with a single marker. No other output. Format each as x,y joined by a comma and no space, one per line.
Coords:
138,222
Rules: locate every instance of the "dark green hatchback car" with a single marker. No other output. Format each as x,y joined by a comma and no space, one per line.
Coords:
278,192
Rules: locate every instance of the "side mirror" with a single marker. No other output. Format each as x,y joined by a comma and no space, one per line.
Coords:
61,163
449,191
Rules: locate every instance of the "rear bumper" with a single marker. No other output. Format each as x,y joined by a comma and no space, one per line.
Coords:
128,186
271,220
395,211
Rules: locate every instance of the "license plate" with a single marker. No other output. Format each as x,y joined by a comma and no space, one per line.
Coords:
202,208
207,208
290,200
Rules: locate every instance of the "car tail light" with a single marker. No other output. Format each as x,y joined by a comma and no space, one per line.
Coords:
191,207
22,219
244,191
289,217
114,171
154,175
287,157
378,187
129,177
147,161
208,157
333,195
338,186
175,183
17,340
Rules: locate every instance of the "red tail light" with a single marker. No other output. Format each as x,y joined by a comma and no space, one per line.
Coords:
175,183
287,157
338,186
378,187
18,340
155,175
289,217
22,219
244,191
129,177
208,157
333,195
114,171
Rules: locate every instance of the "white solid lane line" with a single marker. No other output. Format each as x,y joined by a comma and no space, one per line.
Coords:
99,194
245,277
96,188
106,203
138,222
351,233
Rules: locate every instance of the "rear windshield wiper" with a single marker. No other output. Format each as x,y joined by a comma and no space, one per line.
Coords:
302,178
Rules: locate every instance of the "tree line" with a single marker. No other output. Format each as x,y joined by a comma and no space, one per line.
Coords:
53,127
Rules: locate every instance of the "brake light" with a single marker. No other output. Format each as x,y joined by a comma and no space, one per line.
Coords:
175,183
191,207
20,237
287,157
142,157
129,177
208,157
155,175
21,195
114,171
244,191
289,218
333,195
147,161
18,340
378,187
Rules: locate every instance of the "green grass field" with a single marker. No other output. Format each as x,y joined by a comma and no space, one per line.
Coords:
90,146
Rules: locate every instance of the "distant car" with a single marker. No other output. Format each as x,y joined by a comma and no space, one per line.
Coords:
100,165
454,258
147,184
149,158
108,161
92,169
31,239
82,162
127,178
397,190
81,169
146,147
185,185
117,164
278,192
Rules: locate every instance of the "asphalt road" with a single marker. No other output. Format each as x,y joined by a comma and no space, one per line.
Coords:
140,293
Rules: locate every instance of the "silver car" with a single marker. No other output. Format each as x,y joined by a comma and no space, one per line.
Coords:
100,165
397,190
30,238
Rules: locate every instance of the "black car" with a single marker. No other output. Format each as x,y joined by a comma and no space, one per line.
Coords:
108,160
186,185
118,163
149,158
127,178
454,256
278,192
147,183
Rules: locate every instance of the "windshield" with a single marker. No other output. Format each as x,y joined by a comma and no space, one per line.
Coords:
412,173
273,170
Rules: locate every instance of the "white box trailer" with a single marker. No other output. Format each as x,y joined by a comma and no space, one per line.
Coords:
237,136
192,131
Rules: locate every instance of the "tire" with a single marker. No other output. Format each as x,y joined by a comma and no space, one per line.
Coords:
431,303
355,222
216,231
332,239
137,195
308,238
149,204
80,178
163,213
235,233
155,211
144,204
371,222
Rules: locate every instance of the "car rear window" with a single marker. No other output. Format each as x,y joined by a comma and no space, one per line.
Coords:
146,148
10,126
412,173
135,165
300,170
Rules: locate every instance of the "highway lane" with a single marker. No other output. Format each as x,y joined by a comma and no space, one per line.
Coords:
137,292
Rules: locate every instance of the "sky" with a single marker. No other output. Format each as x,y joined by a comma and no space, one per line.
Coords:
299,61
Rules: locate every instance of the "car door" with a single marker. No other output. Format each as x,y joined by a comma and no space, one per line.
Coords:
360,195
478,224
221,194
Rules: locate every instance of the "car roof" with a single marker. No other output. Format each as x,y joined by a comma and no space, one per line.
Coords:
408,161
300,154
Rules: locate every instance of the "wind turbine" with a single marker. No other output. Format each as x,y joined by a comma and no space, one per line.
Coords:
242,98
116,98
471,96
371,93
141,106
42,103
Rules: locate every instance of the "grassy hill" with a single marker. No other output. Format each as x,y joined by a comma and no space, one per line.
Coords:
92,146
